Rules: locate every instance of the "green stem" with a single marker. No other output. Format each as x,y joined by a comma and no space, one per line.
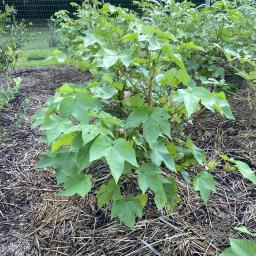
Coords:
151,80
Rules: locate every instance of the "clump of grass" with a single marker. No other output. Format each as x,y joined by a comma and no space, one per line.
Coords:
36,56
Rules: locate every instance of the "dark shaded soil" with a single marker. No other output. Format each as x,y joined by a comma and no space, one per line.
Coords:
34,221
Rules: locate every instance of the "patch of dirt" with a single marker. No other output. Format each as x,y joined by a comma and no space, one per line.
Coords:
34,221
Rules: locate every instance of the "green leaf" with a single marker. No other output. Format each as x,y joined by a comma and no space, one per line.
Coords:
110,58
244,229
89,132
130,37
116,153
147,173
137,117
171,193
205,184
191,104
67,106
183,76
128,208
61,177
154,44
212,101
126,57
80,184
100,147
151,130
240,247
159,154
63,140
83,157
197,152
107,192
63,160
104,92
162,118
166,193
246,171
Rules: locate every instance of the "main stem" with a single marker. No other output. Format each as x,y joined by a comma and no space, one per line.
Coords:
151,80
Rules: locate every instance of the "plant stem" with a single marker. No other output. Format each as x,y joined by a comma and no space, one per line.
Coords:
151,80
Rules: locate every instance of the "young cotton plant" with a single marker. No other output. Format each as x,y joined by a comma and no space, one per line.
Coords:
130,115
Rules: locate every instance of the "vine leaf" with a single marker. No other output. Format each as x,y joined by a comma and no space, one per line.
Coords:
205,184
128,208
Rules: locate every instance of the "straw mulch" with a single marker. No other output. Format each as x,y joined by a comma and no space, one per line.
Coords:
34,221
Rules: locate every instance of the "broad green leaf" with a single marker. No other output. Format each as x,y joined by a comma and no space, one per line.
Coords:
162,118
151,130
128,208
137,117
154,44
246,171
61,177
197,152
115,152
89,132
159,153
63,140
60,56
147,173
240,247
130,37
83,156
183,76
110,58
104,92
80,184
166,193
100,148
205,184
212,101
68,88
126,57
63,160
171,193
107,192
191,104
67,106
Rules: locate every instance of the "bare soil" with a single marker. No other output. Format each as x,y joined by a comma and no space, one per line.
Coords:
34,221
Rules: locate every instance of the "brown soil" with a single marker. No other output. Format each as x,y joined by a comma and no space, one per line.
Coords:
34,221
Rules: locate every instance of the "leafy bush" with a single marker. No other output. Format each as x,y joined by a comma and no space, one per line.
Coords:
131,114
11,38
7,94
227,24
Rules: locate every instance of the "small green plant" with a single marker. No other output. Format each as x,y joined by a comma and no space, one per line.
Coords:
244,66
8,94
11,38
131,115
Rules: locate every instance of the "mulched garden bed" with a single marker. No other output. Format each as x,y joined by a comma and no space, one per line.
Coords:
34,221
